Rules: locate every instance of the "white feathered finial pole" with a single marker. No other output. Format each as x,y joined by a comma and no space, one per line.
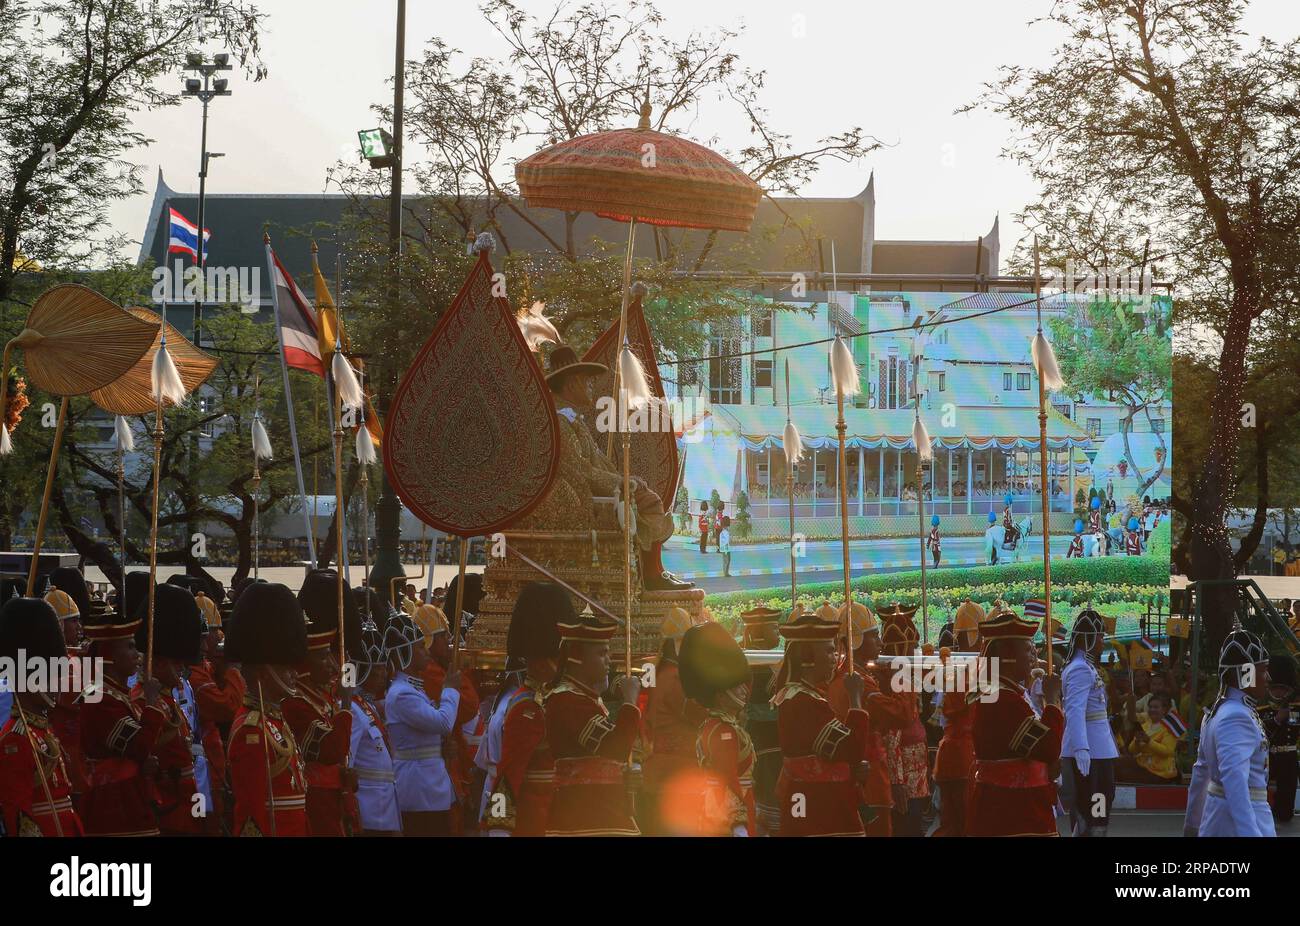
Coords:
345,380
924,454
1049,377
261,451
365,456
168,389
844,375
6,444
792,444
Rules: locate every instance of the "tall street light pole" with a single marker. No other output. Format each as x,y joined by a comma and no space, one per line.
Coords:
205,90
388,511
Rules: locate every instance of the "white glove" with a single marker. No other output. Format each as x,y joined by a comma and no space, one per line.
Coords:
1083,761
739,831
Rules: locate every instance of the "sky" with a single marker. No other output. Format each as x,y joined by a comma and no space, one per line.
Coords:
898,70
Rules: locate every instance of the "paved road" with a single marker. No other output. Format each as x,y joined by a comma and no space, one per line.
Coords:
763,565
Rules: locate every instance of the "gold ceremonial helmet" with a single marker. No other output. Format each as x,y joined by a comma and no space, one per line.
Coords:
862,623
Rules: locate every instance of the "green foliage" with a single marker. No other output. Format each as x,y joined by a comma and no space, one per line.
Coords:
742,524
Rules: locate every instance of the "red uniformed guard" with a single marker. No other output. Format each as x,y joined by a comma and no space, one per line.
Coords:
519,798
887,710
323,728
1016,753
716,676
32,795
591,795
956,755
671,724
178,635
118,734
822,757
906,748
267,636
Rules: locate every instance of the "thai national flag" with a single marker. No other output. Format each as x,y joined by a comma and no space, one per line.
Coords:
1174,724
297,321
184,237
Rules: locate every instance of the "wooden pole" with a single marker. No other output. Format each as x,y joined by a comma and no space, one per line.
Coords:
153,533
45,499
789,488
840,429
622,324
920,511
338,517
257,483
121,517
1042,460
627,550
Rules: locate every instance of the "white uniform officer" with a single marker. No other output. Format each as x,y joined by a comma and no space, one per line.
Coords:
1229,791
369,756
1088,750
416,727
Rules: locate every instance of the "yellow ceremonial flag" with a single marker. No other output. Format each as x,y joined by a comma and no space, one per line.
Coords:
327,319
328,327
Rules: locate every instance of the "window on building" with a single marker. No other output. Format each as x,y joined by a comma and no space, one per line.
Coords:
762,323
1022,382
943,384
1094,427
1006,382
762,373
724,372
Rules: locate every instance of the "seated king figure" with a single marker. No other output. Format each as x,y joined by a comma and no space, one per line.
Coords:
570,380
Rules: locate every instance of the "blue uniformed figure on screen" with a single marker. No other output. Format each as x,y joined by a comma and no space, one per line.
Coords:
1076,542
1095,523
991,540
933,542
1011,532
1229,791
1088,751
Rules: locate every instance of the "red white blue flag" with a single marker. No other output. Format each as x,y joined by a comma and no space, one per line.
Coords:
183,237
297,322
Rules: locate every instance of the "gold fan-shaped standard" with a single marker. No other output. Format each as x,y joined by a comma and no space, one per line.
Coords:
132,392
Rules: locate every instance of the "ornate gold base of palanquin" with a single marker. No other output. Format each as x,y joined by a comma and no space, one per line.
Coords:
591,562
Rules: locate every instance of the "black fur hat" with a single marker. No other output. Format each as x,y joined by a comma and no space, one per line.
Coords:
320,603
69,579
267,627
192,584
177,625
137,590
532,633
710,662
29,624
473,595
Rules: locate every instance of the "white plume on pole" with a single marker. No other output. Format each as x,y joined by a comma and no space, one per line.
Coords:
167,384
536,327
365,447
632,379
6,445
844,372
921,437
1045,363
345,381
122,432
261,440
793,445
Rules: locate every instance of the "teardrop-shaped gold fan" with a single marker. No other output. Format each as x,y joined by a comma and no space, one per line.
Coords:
77,341
132,392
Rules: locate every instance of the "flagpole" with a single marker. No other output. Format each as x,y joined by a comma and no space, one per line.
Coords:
791,458
1042,459
288,401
